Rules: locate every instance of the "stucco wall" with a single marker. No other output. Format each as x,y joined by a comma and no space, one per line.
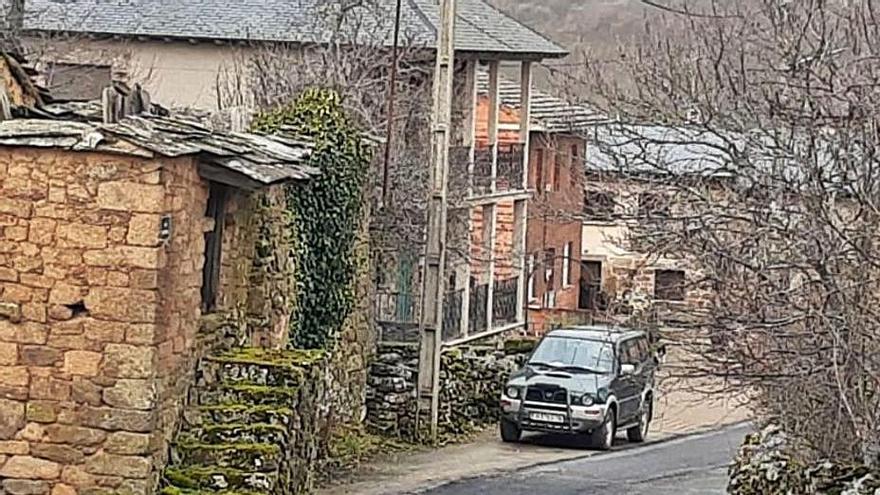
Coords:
176,73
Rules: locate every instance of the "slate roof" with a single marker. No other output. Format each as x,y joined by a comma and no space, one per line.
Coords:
656,150
265,159
549,113
480,27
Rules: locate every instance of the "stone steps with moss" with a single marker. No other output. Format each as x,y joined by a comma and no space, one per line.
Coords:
214,479
237,433
270,414
247,394
257,457
273,368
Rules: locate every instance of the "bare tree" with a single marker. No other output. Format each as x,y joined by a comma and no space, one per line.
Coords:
758,120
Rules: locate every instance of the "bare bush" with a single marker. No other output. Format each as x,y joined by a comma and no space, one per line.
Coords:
758,121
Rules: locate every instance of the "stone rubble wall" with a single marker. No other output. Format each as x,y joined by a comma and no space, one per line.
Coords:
471,381
765,466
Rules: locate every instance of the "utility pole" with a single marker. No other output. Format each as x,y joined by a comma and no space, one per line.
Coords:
433,279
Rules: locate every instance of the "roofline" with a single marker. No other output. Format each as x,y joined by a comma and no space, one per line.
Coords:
483,55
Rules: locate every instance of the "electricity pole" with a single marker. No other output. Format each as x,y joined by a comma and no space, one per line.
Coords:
433,279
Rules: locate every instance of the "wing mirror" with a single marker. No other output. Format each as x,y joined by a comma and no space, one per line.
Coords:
627,369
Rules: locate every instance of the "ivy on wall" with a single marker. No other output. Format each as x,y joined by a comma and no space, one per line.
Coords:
326,212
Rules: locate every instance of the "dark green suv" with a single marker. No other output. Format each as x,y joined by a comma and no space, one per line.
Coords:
590,381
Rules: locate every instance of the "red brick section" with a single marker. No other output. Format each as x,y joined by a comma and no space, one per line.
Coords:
554,217
98,317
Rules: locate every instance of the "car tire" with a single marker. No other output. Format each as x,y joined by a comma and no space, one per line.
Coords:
602,438
638,433
510,432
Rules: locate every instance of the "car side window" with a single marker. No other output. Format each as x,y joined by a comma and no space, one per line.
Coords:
644,349
627,353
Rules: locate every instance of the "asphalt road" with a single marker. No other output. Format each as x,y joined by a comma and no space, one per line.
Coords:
695,465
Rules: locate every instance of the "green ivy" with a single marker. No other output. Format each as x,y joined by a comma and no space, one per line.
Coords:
326,212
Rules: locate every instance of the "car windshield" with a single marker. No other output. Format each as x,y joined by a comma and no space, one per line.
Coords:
574,354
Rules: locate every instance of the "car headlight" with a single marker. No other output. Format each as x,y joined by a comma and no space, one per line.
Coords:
587,400
512,392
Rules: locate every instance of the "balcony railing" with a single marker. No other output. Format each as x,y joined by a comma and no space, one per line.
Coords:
504,302
509,170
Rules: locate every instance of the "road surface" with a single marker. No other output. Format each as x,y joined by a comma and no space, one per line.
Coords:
695,465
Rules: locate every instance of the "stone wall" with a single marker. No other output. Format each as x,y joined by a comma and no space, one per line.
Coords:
98,315
765,465
471,380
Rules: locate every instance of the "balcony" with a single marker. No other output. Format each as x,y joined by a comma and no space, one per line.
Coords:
398,313
464,184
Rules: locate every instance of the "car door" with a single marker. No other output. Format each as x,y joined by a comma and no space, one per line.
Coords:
644,374
628,390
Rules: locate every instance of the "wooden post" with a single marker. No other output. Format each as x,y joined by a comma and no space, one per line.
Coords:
433,279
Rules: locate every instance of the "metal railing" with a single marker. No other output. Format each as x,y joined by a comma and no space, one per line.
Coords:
504,301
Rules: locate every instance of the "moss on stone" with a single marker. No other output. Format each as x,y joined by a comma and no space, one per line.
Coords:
294,358
247,409
257,448
261,391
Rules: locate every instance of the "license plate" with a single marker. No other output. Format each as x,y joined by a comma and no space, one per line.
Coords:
547,418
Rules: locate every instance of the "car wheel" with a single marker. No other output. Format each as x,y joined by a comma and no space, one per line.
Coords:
602,438
639,433
510,432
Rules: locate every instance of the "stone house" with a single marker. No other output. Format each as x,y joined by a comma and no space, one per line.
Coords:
625,188
183,63
117,237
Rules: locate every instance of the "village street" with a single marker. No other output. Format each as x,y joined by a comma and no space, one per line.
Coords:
693,438
690,465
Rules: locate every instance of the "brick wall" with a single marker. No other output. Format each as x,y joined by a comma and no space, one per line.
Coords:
98,316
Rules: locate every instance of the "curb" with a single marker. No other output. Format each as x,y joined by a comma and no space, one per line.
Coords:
671,437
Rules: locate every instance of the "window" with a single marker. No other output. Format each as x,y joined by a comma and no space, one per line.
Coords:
628,353
590,284
78,82
539,171
575,166
550,269
599,205
557,171
531,285
669,285
566,264
217,198
653,205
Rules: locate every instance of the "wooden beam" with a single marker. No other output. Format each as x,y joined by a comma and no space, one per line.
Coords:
222,175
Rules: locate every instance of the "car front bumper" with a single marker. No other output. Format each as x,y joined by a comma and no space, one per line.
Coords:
570,419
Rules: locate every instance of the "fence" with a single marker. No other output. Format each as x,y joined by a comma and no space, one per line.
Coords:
397,314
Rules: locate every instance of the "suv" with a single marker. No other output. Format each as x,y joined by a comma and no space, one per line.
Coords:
591,381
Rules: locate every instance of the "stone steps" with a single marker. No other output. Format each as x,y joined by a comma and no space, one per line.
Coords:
247,394
214,479
257,457
238,414
237,432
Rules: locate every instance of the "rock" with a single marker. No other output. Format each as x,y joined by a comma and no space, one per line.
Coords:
62,454
12,418
127,443
26,487
26,467
83,363
119,465
131,394
128,361
74,435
